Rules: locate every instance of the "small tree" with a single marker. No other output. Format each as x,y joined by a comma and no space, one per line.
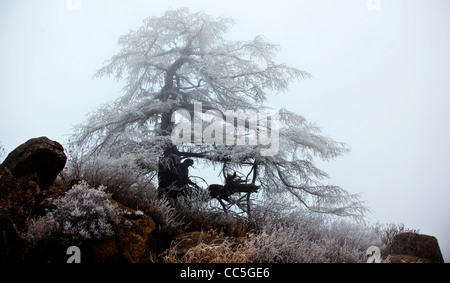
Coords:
180,63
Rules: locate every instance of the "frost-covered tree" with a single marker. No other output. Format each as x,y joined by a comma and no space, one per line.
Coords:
180,60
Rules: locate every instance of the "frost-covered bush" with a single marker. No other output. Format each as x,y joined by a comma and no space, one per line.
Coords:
84,213
163,214
121,173
195,210
313,237
347,241
389,231
285,244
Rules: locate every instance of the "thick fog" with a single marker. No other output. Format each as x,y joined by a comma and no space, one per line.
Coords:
380,84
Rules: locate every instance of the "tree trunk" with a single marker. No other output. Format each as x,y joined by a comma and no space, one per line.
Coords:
170,160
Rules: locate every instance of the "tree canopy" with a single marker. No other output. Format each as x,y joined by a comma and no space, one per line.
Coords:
181,59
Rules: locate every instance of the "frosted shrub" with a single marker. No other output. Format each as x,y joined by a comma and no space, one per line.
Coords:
120,173
84,213
347,241
285,244
164,214
389,231
195,210
293,234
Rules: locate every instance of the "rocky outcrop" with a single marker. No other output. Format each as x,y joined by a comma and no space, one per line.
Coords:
26,173
412,247
39,159
26,191
134,241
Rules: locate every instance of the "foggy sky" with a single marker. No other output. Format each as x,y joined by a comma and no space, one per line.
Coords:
381,84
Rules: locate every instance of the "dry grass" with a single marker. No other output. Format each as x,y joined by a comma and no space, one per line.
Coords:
209,249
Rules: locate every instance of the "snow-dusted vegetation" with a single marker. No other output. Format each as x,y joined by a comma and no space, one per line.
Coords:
84,213
281,206
173,63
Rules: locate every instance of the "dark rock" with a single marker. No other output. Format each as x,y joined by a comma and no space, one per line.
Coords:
25,175
39,159
134,241
10,248
413,247
8,185
138,243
